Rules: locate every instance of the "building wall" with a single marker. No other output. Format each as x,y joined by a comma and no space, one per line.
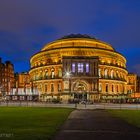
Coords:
87,76
138,85
131,83
6,76
112,73
23,79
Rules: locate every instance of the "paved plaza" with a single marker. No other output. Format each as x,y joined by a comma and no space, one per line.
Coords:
77,106
96,125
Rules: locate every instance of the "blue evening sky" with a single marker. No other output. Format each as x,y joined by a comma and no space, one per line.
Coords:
26,25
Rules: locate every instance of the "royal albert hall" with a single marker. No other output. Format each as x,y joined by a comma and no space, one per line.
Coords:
77,67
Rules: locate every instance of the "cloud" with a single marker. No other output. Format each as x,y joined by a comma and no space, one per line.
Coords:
17,14
26,25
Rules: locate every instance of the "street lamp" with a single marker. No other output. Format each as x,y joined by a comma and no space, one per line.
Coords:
67,74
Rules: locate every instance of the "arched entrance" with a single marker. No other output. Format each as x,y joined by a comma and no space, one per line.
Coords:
80,89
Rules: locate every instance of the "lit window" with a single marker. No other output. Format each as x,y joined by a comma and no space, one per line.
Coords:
99,73
80,67
46,74
100,87
87,67
106,73
52,74
40,75
59,73
112,74
73,67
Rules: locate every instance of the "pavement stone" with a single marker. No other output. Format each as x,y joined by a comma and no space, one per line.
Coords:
96,125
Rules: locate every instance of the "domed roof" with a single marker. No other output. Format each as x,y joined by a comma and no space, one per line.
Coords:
77,40
77,36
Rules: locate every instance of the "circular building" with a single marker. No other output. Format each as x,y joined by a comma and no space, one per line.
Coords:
78,67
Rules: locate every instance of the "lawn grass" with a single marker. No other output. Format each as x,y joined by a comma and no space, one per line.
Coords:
130,116
28,123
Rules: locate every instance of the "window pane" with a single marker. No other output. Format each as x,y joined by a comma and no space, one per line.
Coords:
59,73
80,67
59,86
87,68
45,88
100,87
52,74
73,67
99,73
106,73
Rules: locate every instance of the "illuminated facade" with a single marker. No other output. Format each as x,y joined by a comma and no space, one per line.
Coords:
23,89
80,67
6,77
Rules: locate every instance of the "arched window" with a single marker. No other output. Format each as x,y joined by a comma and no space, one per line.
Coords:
45,88
100,87
106,87
106,73
117,74
112,88
59,72
40,76
52,87
46,74
52,73
112,74
99,71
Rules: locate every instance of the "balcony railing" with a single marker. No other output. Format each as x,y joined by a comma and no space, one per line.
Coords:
47,64
111,64
112,78
47,78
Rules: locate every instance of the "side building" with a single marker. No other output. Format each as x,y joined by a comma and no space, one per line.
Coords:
23,89
6,78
